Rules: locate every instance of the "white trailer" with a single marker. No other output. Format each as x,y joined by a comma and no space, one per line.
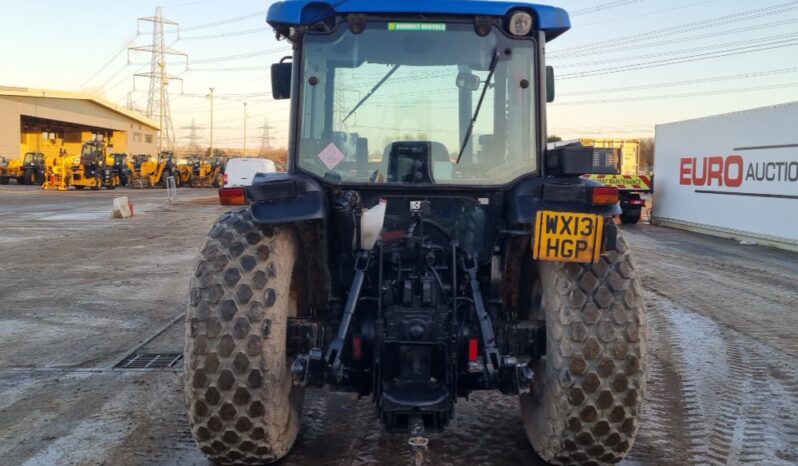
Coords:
733,175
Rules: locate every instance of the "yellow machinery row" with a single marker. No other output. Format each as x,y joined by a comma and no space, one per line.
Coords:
95,168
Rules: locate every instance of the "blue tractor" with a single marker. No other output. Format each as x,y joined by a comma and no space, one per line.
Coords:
422,245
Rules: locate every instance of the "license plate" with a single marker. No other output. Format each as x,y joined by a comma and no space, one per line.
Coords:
568,237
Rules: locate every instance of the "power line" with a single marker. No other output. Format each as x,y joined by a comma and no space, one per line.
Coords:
234,68
239,56
680,96
235,19
674,61
683,28
250,115
681,83
602,7
111,78
227,34
180,5
748,42
616,19
125,78
109,61
246,94
672,41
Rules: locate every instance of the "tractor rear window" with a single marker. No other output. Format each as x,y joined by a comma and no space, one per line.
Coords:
394,103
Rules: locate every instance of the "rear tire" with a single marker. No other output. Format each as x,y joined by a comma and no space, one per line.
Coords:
4,180
630,218
585,405
242,404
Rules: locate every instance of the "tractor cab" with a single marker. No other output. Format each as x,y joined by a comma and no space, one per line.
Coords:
445,103
33,159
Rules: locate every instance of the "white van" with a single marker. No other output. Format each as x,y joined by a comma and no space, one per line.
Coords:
239,171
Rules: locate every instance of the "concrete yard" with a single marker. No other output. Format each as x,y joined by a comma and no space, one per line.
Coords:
79,292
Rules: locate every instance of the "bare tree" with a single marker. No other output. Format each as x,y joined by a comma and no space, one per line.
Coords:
647,152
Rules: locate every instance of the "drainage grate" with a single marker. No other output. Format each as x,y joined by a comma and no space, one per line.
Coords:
150,361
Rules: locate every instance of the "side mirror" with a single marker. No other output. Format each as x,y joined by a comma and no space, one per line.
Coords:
468,81
549,84
281,80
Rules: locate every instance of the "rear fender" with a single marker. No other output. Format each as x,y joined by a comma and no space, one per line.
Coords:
561,194
285,198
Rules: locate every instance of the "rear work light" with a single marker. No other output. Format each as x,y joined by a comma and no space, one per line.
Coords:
233,196
520,23
605,195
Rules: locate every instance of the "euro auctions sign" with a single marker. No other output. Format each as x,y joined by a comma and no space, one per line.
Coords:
735,173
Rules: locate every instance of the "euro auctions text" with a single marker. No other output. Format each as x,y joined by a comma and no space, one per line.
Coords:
733,171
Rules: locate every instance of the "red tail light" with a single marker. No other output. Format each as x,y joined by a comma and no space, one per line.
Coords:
357,348
225,178
473,349
605,195
233,196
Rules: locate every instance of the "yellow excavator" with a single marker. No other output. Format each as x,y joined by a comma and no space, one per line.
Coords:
207,172
148,173
184,173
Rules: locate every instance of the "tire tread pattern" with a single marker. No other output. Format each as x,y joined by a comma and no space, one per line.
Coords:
595,368
241,404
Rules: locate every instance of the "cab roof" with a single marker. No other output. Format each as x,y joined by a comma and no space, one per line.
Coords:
552,21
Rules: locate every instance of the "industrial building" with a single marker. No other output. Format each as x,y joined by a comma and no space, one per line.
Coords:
59,122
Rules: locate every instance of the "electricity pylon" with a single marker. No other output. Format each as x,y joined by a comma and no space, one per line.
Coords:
265,137
193,137
158,97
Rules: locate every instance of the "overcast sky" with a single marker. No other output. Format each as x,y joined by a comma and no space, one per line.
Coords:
626,65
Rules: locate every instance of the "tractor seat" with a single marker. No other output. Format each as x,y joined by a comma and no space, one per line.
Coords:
413,161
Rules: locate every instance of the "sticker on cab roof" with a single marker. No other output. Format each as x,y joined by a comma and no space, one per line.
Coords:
433,27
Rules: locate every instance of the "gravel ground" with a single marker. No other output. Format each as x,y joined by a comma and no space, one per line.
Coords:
79,292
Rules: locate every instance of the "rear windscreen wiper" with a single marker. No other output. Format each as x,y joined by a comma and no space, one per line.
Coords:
479,104
373,89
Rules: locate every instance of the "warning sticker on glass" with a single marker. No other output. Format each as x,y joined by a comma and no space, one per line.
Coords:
331,156
434,27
